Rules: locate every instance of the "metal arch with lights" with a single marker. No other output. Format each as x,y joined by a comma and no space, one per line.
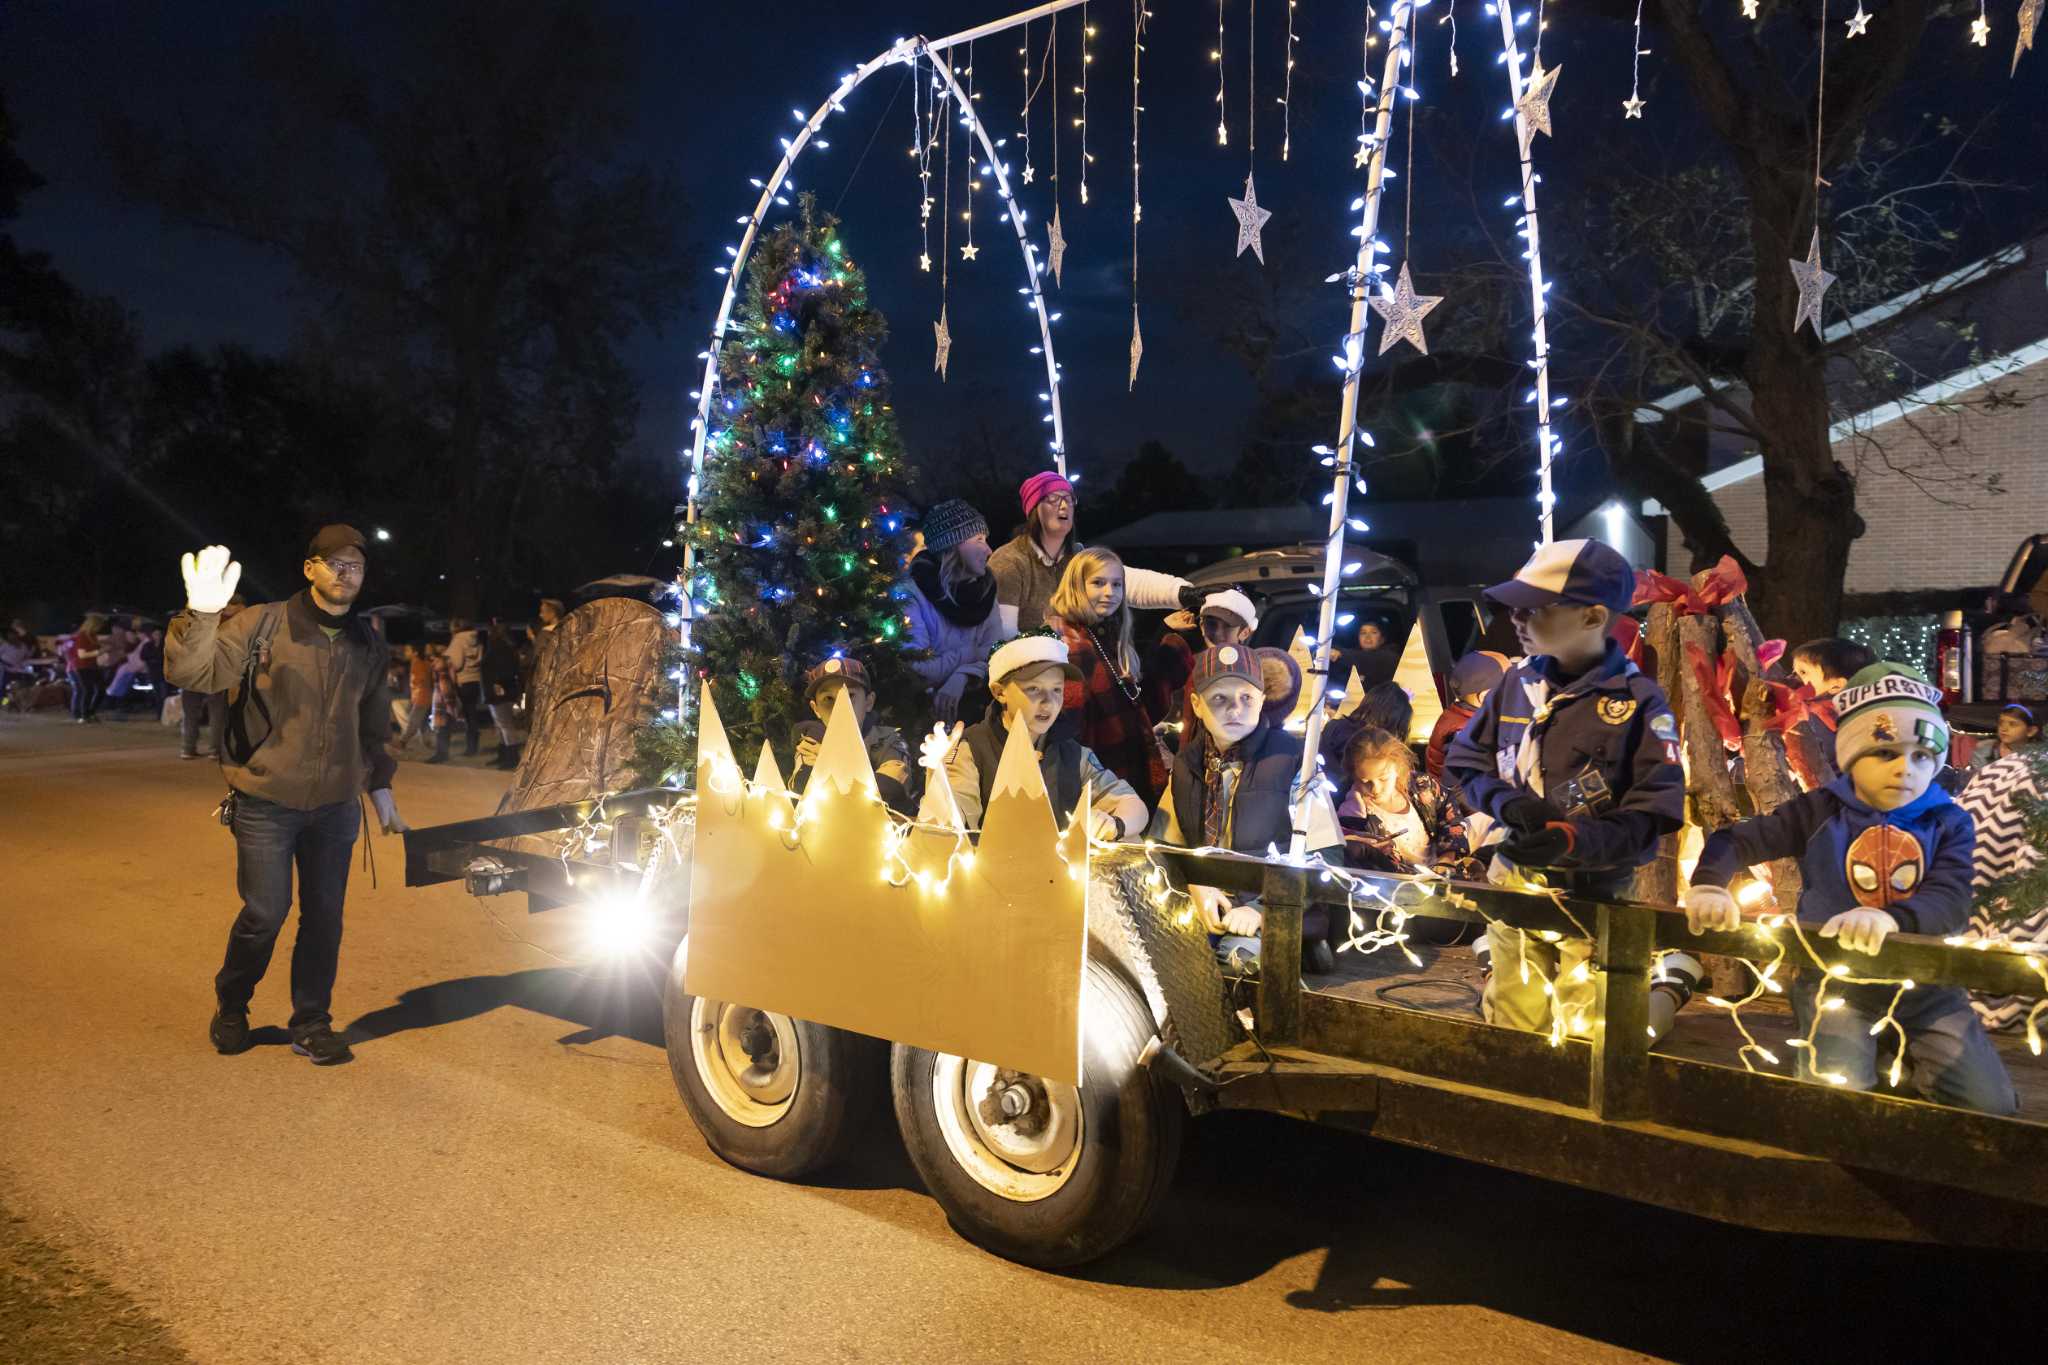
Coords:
903,50
1546,443
1363,276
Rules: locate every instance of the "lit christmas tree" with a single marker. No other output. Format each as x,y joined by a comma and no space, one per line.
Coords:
801,532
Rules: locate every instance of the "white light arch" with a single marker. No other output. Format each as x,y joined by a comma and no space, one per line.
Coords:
903,50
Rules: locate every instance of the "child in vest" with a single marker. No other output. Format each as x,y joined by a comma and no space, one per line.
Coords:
1574,756
1028,679
1880,848
844,682
1232,787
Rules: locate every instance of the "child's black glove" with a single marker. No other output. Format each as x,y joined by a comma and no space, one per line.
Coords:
1549,846
1527,813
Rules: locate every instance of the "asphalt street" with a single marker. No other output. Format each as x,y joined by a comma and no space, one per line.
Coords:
505,1173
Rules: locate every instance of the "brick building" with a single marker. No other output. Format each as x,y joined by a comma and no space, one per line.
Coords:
1949,445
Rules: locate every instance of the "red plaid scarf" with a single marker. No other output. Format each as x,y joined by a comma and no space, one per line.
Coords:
1112,723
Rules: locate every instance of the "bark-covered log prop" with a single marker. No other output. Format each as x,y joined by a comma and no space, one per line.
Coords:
1713,662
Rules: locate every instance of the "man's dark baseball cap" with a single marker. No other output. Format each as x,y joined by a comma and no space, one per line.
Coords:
328,539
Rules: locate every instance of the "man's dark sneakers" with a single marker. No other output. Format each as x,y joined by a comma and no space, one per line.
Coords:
323,1045
229,1031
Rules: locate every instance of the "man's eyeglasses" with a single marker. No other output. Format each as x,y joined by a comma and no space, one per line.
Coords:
345,568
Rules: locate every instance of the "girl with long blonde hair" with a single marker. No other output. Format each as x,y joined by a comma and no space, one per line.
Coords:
1106,709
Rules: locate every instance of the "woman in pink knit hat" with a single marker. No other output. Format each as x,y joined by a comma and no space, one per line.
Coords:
1029,566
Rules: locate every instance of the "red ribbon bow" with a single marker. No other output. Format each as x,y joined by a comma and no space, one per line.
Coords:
1721,584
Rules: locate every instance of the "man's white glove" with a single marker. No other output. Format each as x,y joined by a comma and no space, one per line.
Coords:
210,578
387,811
1710,908
1860,931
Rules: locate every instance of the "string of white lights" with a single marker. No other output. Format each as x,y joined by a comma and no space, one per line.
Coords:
1530,110
1363,276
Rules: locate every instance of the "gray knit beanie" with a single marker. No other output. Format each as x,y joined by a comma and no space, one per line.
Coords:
951,522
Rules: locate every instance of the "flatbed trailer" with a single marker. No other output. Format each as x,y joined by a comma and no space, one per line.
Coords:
1740,1142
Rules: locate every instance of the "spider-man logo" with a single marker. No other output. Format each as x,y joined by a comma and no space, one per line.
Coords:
1884,865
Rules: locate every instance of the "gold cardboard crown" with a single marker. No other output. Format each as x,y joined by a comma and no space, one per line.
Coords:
823,908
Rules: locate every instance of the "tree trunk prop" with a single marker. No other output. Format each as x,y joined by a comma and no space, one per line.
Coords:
1657,881
1711,657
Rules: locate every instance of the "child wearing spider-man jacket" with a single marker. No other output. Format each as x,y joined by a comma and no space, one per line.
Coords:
1880,848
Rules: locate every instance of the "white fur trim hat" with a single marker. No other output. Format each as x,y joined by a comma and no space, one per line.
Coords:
1029,651
1222,600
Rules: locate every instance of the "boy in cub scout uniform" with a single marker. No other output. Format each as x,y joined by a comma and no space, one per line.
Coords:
1575,757
1881,848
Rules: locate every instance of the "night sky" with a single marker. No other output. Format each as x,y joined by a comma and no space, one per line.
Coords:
718,88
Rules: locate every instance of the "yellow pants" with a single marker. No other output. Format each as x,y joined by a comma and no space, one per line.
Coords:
1516,996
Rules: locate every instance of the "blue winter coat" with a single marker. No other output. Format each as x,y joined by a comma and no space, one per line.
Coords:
1612,720
1922,880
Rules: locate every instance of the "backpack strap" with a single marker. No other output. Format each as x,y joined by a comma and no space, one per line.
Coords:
235,734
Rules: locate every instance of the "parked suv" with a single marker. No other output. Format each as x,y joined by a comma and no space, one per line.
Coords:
1282,584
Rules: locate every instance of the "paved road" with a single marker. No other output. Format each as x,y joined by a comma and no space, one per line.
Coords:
505,1174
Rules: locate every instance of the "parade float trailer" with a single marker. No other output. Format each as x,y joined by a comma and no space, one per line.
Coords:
1045,1014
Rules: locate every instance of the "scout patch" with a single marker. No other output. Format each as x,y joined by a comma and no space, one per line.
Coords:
1664,726
1617,710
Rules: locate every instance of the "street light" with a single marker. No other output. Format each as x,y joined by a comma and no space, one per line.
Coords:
383,534
1617,518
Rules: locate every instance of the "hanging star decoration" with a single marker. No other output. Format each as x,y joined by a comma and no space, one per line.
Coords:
924,260
1028,173
1632,107
1749,9
1137,350
2030,15
1859,21
1813,282
945,343
1403,309
969,252
1534,105
1056,242
1250,218
1980,30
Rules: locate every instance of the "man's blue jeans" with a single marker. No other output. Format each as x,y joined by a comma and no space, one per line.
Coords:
270,840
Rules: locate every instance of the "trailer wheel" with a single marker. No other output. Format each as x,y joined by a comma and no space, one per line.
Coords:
1039,1172
774,1095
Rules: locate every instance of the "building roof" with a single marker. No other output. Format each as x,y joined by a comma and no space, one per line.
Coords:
1940,391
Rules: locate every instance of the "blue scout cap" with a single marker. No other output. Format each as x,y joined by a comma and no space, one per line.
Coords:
1587,572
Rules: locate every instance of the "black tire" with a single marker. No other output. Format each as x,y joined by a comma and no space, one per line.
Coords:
833,1094
1127,1148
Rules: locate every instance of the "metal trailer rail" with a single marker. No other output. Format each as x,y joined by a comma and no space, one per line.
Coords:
1606,1113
